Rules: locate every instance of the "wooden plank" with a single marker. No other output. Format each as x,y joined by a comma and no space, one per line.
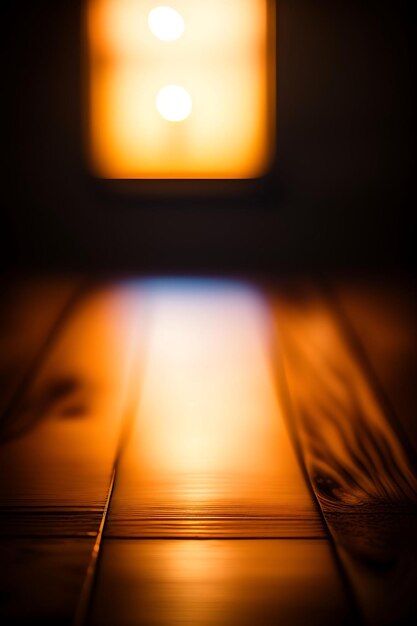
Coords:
218,583
382,315
33,521
209,454
30,310
40,580
362,476
55,475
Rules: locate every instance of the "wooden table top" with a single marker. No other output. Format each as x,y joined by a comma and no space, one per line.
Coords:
207,452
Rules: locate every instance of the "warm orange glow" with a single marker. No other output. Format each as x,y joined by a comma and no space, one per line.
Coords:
75,404
216,51
209,444
208,400
218,583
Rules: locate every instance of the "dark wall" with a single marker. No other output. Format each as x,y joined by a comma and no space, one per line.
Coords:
343,170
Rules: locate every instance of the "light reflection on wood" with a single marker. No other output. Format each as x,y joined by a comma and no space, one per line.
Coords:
55,475
363,478
218,583
209,453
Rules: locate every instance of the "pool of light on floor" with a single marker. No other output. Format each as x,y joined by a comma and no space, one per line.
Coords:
209,444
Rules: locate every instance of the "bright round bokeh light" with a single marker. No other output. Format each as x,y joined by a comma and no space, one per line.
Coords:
174,103
166,23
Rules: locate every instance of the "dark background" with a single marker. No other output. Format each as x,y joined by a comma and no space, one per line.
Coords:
342,195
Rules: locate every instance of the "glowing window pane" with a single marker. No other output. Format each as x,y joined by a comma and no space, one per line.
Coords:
217,51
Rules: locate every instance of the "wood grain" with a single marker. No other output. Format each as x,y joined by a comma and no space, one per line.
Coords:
31,313
55,475
363,477
218,583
